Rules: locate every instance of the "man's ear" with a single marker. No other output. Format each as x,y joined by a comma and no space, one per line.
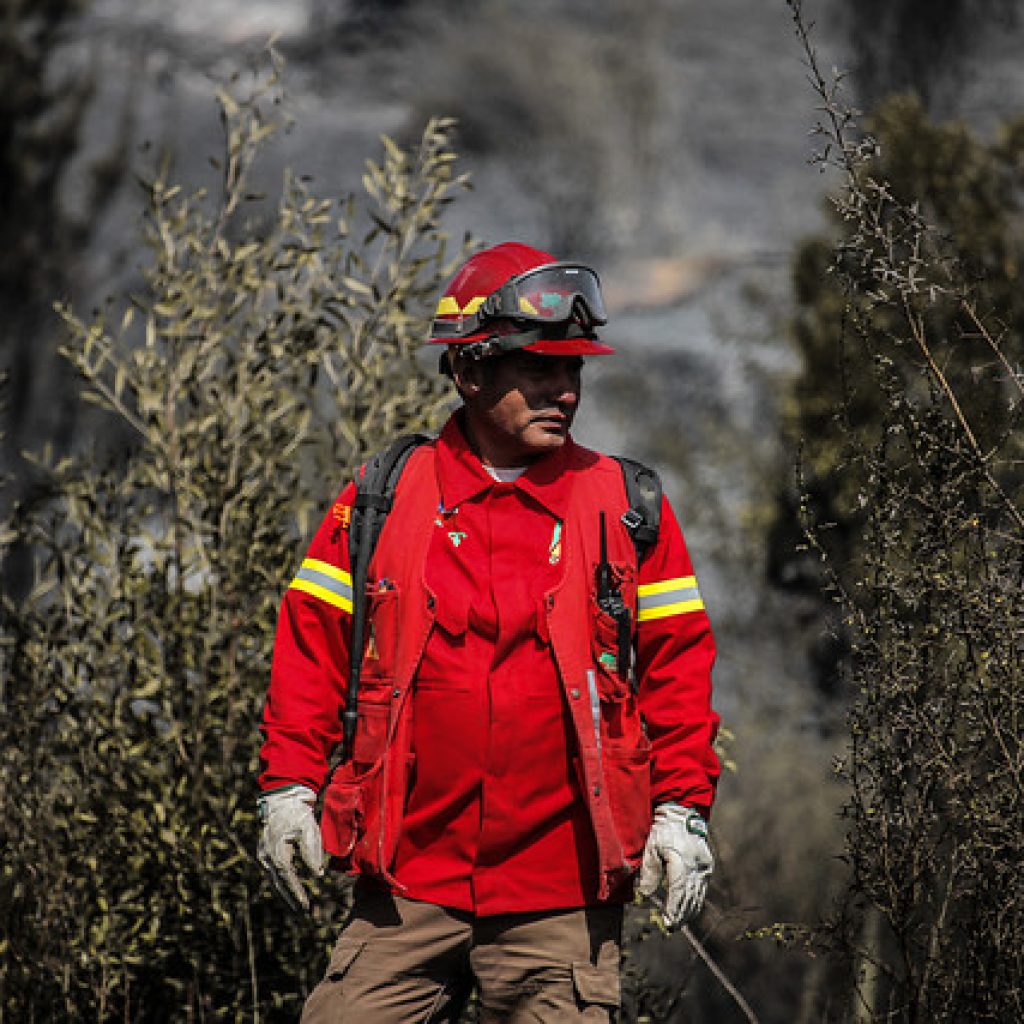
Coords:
468,376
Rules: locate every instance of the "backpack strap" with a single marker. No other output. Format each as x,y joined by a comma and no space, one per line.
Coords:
643,492
375,494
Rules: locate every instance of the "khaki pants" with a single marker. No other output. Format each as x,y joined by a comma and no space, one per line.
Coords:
401,961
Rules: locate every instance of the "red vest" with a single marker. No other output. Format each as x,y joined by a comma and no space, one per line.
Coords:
365,798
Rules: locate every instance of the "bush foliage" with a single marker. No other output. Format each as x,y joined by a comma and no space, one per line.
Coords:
964,275
264,356
913,331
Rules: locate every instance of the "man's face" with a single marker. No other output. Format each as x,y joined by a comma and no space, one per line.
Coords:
520,406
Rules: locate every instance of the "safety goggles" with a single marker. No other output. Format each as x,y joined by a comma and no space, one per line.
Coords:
551,294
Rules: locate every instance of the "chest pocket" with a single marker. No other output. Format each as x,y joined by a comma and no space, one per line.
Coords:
451,613
445,666
381,633
609,635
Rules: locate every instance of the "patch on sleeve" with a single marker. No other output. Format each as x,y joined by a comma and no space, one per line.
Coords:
342,514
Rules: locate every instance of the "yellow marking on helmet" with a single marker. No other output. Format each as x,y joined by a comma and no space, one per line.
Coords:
527,306
448,306
474,304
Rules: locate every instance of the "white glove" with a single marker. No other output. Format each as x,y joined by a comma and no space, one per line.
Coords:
288,819
677,852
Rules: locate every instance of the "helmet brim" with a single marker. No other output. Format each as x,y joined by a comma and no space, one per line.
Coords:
570,347
544,347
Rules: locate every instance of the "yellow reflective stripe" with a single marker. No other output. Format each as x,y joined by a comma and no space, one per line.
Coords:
662,586
667,597
328,570
345,604
326,582
474,304
527,306
665,610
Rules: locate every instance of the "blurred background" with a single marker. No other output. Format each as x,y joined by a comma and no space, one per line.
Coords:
666,142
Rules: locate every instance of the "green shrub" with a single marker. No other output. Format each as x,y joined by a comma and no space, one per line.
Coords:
915,450
965,268
263,359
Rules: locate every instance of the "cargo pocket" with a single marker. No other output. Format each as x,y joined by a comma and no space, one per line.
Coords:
597,991
325,1001
344,955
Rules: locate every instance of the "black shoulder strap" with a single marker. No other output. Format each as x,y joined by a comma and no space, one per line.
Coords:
643,492
375,494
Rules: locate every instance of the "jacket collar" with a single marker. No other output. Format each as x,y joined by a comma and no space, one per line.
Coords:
461,475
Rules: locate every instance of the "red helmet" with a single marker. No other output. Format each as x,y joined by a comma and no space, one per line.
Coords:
514,297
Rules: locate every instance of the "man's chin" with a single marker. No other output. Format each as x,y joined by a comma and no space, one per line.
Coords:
541,439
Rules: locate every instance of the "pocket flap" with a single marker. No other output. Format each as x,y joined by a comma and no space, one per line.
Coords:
452,611
596,985
344,955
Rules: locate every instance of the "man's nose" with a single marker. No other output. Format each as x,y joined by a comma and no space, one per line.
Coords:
566,387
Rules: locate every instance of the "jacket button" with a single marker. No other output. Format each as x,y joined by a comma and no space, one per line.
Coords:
430,603
550,602
396,692
597,791
575,694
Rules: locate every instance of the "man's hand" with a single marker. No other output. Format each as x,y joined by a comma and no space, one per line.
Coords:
288,819
677,851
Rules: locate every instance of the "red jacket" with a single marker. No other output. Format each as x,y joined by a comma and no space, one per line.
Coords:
478,779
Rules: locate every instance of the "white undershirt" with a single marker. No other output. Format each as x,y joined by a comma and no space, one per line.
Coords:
505,475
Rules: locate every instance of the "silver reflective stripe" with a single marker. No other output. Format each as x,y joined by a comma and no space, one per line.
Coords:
335,586
325,581
669,597
595,707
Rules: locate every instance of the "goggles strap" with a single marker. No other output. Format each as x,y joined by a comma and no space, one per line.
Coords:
500,344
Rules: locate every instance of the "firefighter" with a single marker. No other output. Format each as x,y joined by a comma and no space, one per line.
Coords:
534,728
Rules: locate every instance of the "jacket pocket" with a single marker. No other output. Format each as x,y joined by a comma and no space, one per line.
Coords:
451,612
341,823
628,779
350,823
388,827
374,709
613,685
381,631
